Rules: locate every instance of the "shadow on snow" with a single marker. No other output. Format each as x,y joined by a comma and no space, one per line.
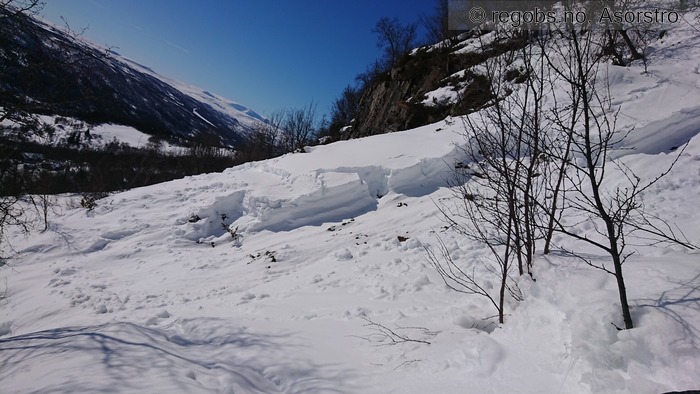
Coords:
198,355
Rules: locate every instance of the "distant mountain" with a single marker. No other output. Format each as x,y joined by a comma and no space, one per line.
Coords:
48,71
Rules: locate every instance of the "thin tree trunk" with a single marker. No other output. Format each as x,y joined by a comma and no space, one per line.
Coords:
635,54
622,290
589,155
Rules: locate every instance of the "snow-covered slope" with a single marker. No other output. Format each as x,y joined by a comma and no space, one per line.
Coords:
151,293
67,76
243,114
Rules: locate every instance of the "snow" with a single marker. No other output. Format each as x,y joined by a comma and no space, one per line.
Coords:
128,135
445,95
124,134
245,115
100,135
150,292
194,111
474,44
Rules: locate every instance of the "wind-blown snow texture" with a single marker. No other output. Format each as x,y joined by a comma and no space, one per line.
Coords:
140,296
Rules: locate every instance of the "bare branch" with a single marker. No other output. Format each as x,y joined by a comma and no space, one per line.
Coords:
385,336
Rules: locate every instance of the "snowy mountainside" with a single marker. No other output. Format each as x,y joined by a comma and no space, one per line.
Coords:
151,292
65,128
243,114
61,71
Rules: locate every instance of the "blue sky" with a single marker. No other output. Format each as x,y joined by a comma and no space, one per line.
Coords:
265,54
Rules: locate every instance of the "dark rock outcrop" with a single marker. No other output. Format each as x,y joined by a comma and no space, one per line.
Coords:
396,100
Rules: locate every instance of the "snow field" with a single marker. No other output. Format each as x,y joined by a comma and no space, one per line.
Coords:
149,292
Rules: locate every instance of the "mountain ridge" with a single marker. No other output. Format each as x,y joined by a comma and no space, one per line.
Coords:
47,70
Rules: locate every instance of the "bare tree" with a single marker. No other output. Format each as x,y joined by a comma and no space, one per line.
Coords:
615,209
265,140
298,127
557,155
476,277
627,39
437,24
530,172
367,77
499,175
505,142
382,335
19,209
15,211
345,107
16,7
616,31
395,39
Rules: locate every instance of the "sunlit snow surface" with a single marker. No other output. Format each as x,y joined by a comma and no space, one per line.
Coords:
136,297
